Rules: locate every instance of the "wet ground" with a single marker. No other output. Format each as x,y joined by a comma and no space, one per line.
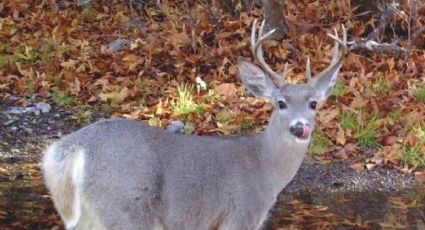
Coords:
402,209
321,196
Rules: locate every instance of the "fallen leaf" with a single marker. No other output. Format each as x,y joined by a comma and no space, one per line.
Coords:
116,96
227,89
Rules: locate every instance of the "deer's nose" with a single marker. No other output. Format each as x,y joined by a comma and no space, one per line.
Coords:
301,130
297,129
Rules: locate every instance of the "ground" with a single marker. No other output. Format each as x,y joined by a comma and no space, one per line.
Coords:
25,202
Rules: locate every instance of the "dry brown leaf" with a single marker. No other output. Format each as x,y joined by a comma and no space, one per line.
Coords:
116,96
358,167
340,136
227,89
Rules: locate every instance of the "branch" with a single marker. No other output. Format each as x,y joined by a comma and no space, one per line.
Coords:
375,47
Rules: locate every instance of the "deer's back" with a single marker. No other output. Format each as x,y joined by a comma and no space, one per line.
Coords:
139,174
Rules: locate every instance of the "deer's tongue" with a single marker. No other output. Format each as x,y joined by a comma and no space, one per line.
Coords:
307,131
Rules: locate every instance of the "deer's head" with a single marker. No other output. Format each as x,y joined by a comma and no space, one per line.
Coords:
295,105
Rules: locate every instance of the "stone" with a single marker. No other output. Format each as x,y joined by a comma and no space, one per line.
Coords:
44,107
118,45
176,127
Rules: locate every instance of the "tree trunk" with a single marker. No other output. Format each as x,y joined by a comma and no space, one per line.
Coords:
274,14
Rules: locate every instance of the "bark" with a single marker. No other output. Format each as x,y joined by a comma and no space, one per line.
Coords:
274,15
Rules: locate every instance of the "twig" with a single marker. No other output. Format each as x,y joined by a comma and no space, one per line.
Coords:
386,17
375,47
410,26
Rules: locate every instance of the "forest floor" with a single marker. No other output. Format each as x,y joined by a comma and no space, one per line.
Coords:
25,202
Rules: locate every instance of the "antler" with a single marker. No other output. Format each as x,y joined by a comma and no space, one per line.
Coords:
257,50
337,58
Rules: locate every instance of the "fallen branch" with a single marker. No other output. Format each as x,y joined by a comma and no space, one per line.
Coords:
375,47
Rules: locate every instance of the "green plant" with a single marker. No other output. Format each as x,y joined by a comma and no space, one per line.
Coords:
58,80
184,105
395,115
26,54
223,117
339,89
89,14
32,87
3,61
420,93
46,49
213,94
367,134
366,131
420,133
84,116
413,157
62,98
349,121
319,144
380,86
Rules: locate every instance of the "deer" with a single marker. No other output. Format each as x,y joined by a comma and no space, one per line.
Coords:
123,174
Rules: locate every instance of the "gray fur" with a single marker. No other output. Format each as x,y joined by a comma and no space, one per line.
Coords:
141,177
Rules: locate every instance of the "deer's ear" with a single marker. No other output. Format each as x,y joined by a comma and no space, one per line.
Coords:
255,80
325,82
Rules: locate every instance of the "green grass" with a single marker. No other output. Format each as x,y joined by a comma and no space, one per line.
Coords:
420,94
26,54
368,133
339,89
395,115
319,144
365,131
349,121
32,87
45,53
84,116
184,105
62,98
380,86
223,117
58,80
89,14
3,61
413,157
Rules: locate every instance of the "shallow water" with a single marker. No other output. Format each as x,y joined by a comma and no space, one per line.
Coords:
351,210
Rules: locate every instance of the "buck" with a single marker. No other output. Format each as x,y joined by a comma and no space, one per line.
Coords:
122,174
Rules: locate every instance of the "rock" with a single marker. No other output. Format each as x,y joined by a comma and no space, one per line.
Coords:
14,128
137,23
44,107
84,4
118,45
176,127
17,110
15,98
9,122
32,109
28,131
57,115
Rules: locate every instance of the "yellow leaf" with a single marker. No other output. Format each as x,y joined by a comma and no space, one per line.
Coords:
159,108
115,96
68,64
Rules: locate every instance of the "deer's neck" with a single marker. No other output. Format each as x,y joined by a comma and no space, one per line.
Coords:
281,152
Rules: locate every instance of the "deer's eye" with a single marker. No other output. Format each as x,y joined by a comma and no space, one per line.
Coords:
312,105
282,105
